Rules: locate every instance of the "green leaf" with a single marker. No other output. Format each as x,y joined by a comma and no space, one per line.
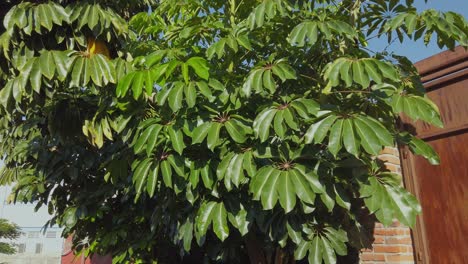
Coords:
334,144
234,171
417,108
123,85
200,132
262,123
204,217
175,96
190,94
93,17
384,196
298,36
286,71
268,81
143,138
290,120
337,239
108,72
419,147
152,180
318,131
342,198
259,181
244,41
240,220
302,187
178,164
350,139
359,74
387,70
205,90
286,191
328,254
369,140
152,139
345,73
35,77
5,94
137,85
62,64
278,125
213,135
249,164
220,226
332,72
269,195
315,252
305,32
200,66
372,70
78,69
223,165
301,251
166,173
312,179
207,176
236,131
382,133
186,233
260,14
140,175
185,72
46,61
95,72
177,139
254,81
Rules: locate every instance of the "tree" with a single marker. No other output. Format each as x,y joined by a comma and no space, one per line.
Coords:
214,131
8,231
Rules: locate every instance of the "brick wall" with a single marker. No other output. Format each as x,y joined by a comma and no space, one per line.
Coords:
392,245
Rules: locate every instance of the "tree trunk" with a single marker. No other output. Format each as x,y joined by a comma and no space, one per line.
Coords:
256,254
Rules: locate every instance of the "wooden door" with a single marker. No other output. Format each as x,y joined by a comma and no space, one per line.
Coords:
441,234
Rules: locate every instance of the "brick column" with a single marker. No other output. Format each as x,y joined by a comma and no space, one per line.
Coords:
392,245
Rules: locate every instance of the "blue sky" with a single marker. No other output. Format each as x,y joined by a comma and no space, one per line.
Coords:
417,51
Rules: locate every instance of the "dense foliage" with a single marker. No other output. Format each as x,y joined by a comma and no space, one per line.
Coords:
8,232
214,131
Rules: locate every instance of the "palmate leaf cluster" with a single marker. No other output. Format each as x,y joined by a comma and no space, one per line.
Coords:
157,131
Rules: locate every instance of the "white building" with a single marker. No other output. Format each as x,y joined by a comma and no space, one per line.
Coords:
35,246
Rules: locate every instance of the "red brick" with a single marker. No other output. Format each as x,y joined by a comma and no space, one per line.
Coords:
393,167
379,240
390,257
390,159
373,257
390,231
390,249
389,150
399,240
395,223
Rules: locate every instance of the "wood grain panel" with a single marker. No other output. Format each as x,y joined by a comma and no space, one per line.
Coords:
441,233
443,193
452,101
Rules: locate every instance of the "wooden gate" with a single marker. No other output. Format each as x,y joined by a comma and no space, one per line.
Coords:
441,234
